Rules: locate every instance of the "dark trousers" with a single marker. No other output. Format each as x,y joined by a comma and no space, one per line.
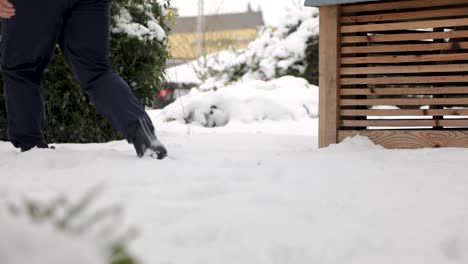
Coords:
81,29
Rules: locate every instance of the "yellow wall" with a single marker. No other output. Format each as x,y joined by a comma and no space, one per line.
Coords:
184,45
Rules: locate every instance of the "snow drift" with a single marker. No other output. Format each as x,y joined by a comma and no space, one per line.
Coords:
287,98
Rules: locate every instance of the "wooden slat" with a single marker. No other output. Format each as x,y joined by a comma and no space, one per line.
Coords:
404,101
406,37
405,112
329,67
406,91
406,80
412,139
406,123
447,12
405,69
405,25
454,46
400,26
393,5
405,59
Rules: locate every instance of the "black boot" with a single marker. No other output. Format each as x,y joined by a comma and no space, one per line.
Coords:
41,145
146,142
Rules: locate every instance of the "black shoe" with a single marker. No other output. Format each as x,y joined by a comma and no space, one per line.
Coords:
41,145
146,142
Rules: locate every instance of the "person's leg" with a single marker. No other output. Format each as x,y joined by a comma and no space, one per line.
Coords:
28,42
85,41
85,44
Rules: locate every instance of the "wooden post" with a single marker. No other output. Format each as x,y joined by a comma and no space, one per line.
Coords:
329,72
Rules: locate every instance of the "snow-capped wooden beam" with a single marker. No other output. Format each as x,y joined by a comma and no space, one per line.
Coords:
329,72
333,2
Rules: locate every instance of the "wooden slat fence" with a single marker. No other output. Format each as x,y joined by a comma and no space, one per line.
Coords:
403,72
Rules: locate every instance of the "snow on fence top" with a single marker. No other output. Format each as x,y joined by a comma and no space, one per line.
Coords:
333,2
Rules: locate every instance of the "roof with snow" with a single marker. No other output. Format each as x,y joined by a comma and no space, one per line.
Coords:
333,2
221,22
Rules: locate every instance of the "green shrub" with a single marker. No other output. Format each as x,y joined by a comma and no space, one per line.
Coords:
140,59
312,57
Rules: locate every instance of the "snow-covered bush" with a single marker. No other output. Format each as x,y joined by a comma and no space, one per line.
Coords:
138,53
139,44
286,98
290,49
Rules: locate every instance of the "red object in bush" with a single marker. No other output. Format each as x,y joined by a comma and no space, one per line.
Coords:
163,94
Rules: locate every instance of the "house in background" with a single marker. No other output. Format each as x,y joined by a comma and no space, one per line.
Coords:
220,32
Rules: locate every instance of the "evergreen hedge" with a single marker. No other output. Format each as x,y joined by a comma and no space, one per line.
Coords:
140,59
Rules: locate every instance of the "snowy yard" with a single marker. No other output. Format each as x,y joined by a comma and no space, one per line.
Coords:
264,194
245,182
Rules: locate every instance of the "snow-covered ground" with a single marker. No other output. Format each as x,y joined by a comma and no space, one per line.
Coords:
264,194
21,241
254,189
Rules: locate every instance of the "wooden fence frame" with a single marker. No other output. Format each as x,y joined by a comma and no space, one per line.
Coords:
330,102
